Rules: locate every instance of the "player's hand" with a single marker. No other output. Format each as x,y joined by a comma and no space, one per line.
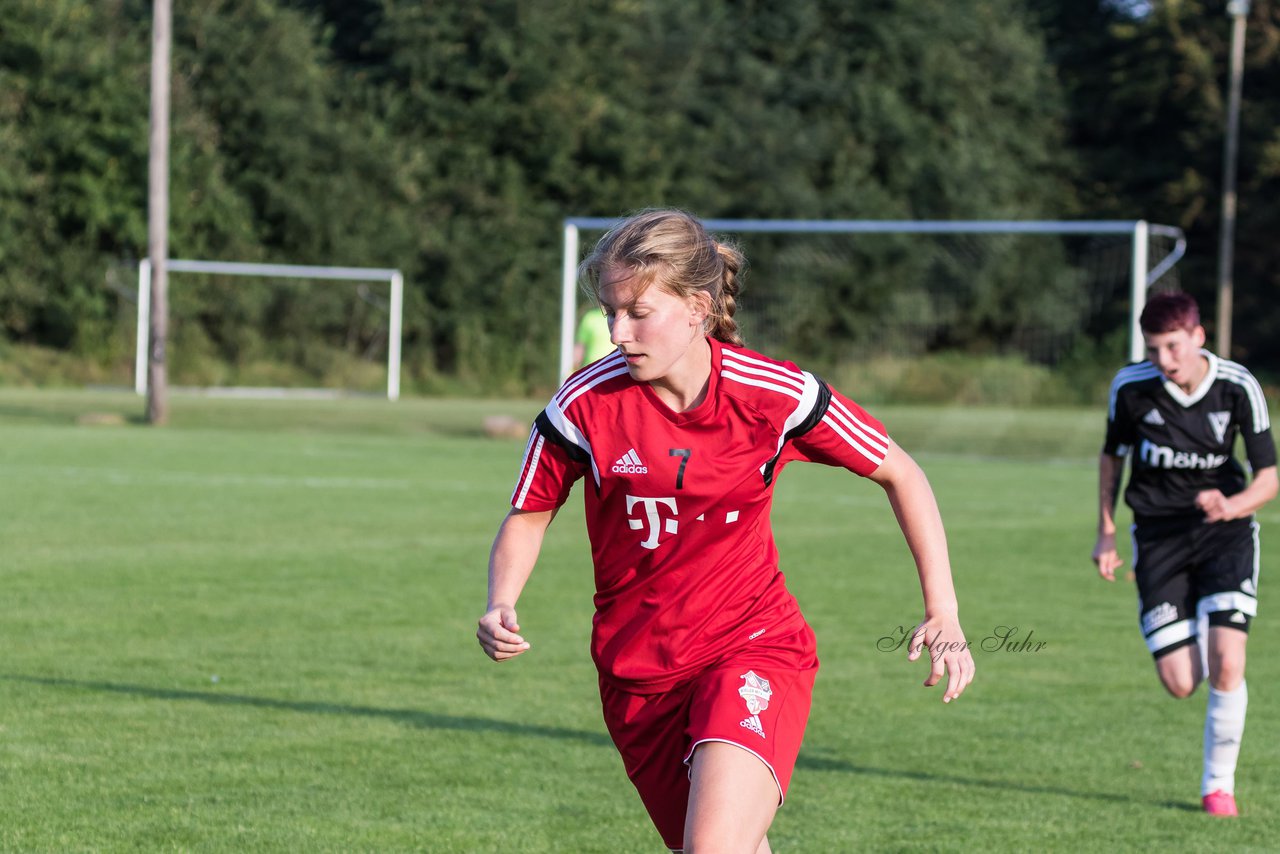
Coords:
498,634
1105,556
1216,506
948,652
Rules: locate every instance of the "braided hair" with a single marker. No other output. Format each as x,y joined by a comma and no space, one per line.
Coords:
673,249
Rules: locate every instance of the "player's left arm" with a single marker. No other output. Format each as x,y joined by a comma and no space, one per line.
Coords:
1222,508
940,632
1260,448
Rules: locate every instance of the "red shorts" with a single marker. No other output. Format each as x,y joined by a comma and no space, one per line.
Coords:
757,699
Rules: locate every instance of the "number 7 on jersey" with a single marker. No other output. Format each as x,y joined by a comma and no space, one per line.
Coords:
684,454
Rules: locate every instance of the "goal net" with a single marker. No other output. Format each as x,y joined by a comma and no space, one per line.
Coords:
895,309
277,329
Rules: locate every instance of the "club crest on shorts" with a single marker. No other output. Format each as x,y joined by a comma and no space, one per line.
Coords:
755,692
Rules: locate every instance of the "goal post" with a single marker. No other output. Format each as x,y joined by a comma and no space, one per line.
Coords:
1138,232
289,271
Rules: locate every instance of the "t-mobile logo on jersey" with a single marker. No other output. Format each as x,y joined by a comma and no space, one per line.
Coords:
656,524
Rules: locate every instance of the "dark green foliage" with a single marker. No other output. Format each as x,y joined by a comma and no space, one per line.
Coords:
450,139
73,113
526,113
1148,97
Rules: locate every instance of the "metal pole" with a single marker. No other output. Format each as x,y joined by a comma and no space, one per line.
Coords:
144,327
158,212
1239,12
1138,289
568,299
393,337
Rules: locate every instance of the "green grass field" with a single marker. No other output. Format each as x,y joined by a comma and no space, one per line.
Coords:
254,631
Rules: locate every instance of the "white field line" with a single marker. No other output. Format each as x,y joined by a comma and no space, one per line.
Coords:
124,477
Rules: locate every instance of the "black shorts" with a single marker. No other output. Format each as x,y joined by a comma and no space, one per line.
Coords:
1188,570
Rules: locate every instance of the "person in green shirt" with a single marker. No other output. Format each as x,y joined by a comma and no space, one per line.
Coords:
592,341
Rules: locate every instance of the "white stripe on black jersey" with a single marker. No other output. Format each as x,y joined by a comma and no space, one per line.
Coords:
1236,373
1130,374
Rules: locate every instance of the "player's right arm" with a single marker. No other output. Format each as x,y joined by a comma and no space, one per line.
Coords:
1110,469
1115,448
511,560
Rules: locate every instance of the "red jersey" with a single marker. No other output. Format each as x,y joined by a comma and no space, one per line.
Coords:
677,503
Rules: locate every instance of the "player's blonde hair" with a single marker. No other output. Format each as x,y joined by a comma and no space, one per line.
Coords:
673,249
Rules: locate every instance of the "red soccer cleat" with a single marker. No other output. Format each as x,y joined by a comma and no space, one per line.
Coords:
1220,803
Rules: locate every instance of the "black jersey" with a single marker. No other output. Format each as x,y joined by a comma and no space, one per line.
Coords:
1184,443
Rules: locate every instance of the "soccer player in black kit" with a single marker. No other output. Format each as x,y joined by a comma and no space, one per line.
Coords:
1195,541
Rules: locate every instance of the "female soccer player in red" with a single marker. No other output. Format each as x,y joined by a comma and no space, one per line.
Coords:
706,664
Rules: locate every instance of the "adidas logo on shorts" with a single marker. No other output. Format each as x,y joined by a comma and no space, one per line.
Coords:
756,693
629,463
753,723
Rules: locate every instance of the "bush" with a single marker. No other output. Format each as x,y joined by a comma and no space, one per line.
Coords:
956,378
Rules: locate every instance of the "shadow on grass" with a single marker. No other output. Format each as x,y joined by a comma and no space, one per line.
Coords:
409,717
824,763
437,721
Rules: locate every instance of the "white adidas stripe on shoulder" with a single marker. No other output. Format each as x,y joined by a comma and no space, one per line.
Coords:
761,383
759,367
1125,376
758,373
605,369
1130,373
529,467
806,400
875,458
1236,373
874,439
568,395
862,437
567,428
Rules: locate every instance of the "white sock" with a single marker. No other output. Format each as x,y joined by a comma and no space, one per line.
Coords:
1223,730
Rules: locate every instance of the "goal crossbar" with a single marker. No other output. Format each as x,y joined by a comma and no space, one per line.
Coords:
1142,275
288,271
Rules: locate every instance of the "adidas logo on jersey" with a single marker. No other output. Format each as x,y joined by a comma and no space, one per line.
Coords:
629,463
1153,417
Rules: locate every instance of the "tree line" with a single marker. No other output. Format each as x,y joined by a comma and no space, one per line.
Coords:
450,139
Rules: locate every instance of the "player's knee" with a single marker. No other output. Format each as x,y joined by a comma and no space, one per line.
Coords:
1180,691
1179,685
1179,671
1226,673
715,846
1228,633
722,832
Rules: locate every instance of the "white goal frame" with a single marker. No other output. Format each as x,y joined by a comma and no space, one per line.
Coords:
1142,275
287,271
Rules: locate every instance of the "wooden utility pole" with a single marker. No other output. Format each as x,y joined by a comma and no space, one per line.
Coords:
1239,12
158,213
